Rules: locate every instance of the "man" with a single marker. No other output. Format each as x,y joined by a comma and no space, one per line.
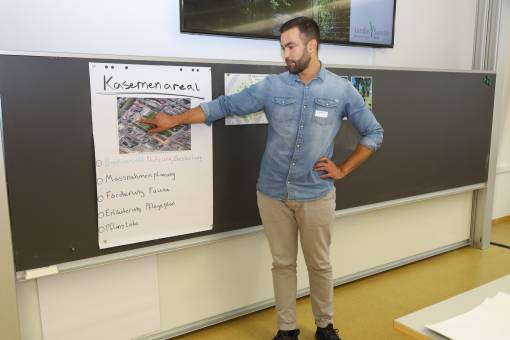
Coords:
295,189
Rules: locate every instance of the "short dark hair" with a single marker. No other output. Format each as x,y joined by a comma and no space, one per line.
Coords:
307,26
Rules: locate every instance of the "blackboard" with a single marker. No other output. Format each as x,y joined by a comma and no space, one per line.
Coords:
437,136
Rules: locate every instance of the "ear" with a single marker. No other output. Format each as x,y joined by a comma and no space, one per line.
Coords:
312,46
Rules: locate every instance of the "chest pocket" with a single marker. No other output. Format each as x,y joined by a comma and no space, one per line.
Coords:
326,111
283,108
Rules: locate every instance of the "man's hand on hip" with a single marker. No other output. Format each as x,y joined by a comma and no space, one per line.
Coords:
331,169
357,157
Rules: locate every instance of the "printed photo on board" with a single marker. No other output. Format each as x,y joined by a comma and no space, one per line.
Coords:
235,83
364,87
134,136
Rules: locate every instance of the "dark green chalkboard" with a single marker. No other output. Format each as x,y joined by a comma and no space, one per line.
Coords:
437,136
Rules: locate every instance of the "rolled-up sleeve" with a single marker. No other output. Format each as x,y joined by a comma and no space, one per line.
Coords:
363,120
247,101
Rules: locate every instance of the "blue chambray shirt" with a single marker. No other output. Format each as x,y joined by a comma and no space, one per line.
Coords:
303,122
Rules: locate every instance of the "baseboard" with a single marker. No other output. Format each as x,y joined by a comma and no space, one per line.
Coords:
500,220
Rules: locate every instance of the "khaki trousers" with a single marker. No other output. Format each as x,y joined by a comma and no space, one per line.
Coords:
283,220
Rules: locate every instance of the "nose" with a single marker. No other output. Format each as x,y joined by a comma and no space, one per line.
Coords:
285,53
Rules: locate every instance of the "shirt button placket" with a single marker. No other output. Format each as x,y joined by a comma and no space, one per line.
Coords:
299,138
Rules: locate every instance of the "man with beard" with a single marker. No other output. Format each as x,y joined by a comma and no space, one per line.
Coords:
295,189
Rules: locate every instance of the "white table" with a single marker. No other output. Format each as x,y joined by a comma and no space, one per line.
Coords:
412,326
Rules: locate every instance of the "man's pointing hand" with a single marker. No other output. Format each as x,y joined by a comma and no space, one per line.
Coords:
161,122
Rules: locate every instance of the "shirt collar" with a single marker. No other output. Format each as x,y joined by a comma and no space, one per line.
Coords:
322,72
321,75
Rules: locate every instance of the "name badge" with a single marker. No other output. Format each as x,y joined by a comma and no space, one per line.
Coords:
322,114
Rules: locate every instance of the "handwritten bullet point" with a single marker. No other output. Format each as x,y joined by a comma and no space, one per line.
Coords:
100,198
99,181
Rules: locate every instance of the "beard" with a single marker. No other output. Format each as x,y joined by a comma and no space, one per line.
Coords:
299,65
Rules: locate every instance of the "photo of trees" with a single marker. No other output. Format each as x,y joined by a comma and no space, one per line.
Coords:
264,17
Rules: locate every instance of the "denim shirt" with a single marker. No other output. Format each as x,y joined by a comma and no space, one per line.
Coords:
303,122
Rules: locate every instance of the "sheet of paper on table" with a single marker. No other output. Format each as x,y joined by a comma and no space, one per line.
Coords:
489,320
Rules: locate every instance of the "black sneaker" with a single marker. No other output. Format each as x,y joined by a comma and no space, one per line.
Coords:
287,335
327,333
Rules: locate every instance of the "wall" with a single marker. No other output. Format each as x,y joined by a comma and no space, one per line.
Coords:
502,187
429,34
131,27
8,308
